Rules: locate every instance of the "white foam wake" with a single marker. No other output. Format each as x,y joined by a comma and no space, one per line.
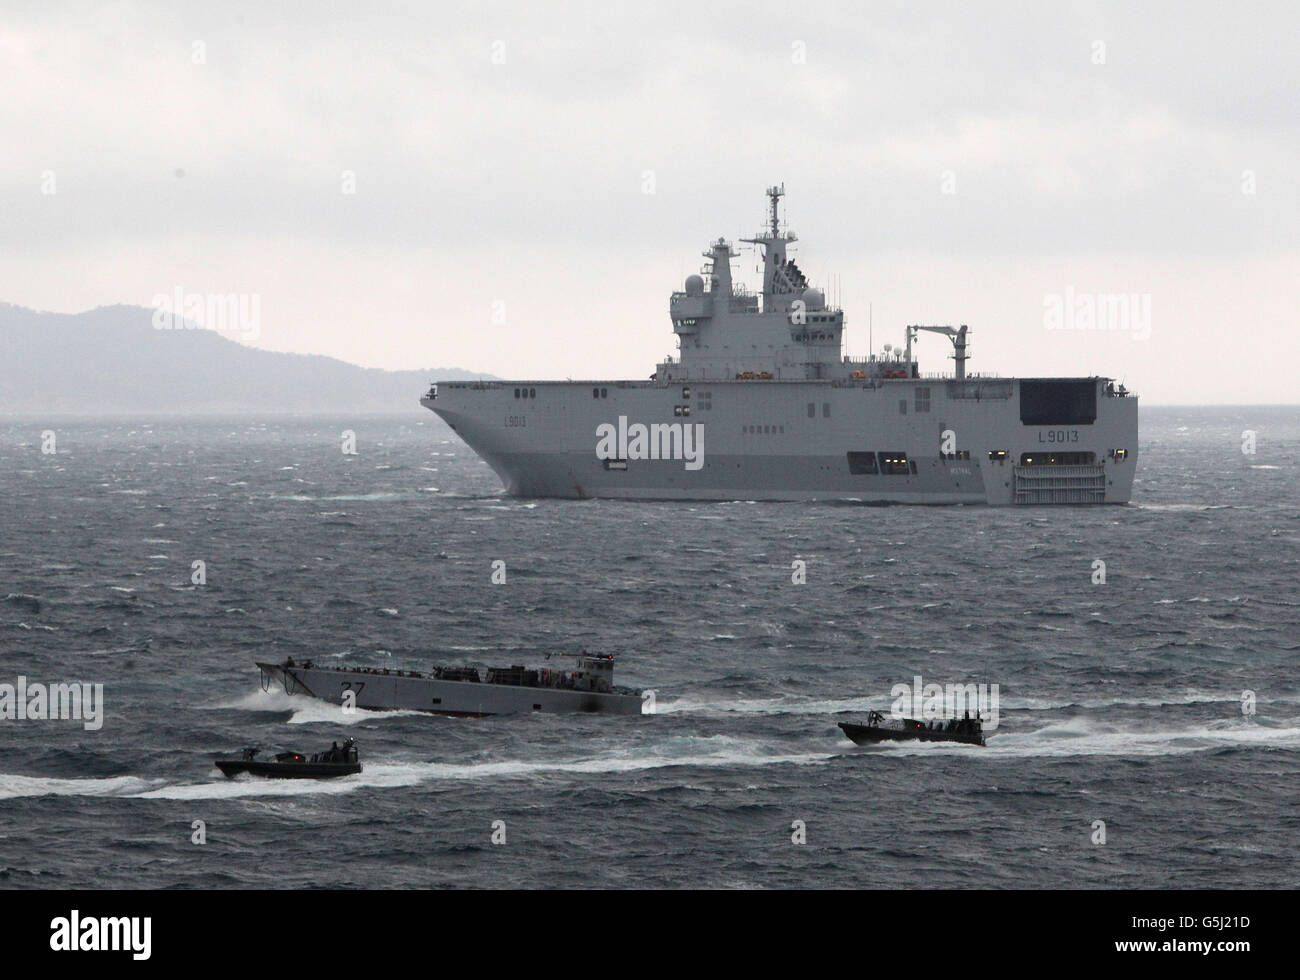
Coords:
1077,738
13,786
398,774
771,706
305,710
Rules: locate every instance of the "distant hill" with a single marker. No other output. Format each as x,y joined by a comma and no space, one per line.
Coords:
113,360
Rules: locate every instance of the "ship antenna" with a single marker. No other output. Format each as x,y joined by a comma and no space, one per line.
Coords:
776,193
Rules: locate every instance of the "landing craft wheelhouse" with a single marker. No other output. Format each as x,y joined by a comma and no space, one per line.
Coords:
787,416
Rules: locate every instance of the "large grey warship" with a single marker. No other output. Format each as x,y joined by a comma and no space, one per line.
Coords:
788,416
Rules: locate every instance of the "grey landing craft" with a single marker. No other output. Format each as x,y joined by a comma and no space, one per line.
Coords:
761,403
461,691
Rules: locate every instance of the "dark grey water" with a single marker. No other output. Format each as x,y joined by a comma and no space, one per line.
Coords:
1119,702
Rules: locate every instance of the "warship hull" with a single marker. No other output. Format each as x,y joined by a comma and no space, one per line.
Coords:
875,442
379,691
763,403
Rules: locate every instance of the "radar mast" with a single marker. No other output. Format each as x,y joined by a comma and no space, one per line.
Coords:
776,193
782,280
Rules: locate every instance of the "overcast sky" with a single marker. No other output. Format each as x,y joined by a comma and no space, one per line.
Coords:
945,163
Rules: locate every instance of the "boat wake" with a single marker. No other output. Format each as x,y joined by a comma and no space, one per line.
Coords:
305,710
1079,738
13,786
1075,737
715,752
792,705
772,706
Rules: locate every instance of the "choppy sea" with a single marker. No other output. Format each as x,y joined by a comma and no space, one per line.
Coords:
1148,732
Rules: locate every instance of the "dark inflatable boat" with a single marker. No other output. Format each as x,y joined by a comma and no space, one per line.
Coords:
967,730
340,760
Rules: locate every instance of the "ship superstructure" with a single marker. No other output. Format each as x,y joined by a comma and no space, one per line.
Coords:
762,404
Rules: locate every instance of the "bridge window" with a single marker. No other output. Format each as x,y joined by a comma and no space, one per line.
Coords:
863,464
826,410
812,410
922,399
516,392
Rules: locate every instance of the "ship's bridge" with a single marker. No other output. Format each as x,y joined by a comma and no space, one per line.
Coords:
725,331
